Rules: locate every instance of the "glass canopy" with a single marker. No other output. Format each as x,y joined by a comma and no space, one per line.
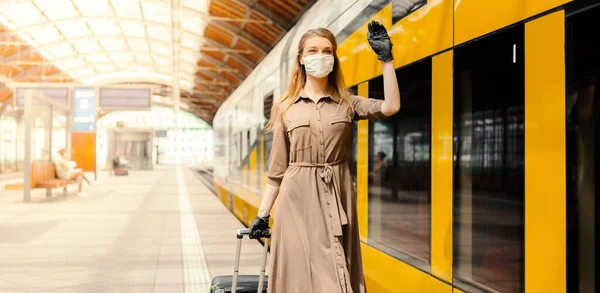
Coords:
99,41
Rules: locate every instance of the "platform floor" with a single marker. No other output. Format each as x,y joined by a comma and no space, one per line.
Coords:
126,236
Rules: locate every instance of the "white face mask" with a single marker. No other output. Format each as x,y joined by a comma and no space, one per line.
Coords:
318,65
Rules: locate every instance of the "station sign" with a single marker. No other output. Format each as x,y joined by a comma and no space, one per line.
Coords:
57,95
125,98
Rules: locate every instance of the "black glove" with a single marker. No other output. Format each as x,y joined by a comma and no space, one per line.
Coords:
380,41
259,227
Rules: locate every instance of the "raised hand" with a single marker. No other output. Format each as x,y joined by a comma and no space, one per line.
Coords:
379,40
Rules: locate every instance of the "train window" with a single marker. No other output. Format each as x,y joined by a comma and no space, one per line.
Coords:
267,136
258,169
240,145
267,104
583,131
247,158
488,163
268,142
400,170
402,8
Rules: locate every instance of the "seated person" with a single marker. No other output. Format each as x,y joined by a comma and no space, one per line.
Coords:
65,170
379,168
118,162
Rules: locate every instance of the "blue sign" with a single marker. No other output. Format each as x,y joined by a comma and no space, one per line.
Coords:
85,109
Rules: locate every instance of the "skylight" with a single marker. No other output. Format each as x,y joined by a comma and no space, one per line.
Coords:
102,40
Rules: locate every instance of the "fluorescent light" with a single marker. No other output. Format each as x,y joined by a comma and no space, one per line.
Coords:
514,53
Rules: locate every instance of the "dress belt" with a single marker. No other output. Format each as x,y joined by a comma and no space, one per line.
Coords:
339,217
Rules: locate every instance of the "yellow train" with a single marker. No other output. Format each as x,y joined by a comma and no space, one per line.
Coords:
485,180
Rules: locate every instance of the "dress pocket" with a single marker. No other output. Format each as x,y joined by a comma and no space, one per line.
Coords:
340,124
299,134
298,123
338,119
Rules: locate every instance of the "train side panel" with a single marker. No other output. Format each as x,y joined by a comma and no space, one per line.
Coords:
435,32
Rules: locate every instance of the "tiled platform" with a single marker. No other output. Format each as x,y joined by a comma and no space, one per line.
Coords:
125,237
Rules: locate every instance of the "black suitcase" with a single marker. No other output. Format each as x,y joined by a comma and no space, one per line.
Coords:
243,283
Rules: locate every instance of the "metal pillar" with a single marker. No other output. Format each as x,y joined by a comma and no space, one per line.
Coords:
51,128
19,120
97,100
28,115
70,115
176,10
3,106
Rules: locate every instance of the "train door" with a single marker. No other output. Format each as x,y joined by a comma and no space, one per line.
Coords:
489,163
583,135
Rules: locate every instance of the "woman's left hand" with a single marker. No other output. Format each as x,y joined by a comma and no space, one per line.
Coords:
380,41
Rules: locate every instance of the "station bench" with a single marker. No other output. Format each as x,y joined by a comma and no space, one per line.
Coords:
43,175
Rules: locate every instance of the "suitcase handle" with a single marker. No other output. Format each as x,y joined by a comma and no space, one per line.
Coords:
242,232
240,235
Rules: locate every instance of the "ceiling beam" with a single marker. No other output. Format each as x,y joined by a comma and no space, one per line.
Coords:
216,78
241,59
238,51
30,70
306,7
201,106
206,82
223,66
27,53
261,46
265,12
208,99
217,69
203,99
201,92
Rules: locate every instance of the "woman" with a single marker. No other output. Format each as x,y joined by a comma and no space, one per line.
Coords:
315,246
65,171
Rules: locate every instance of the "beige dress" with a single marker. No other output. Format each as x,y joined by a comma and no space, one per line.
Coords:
315,246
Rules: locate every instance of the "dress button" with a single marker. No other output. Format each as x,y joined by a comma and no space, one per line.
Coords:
328,203
330,217
321,155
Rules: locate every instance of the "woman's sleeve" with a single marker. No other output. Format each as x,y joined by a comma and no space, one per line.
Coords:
279,157
366,108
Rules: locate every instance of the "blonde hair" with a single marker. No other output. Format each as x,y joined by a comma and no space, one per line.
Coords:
336,86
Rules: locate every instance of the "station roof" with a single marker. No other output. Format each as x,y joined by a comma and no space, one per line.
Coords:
210,46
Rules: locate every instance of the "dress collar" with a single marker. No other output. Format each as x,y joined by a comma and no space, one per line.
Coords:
302,94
